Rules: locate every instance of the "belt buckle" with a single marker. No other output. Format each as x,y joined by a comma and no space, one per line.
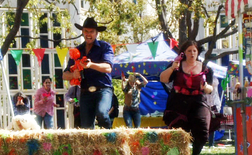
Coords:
92,89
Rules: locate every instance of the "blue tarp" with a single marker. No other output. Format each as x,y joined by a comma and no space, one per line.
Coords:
153,98
149,69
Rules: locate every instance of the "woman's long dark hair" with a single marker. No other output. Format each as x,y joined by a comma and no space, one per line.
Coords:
188,43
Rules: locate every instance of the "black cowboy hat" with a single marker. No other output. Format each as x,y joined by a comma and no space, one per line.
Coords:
90,23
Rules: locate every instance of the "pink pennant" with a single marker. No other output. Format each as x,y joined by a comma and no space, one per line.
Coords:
39,52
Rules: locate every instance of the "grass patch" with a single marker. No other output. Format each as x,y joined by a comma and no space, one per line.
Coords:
227,150
222,147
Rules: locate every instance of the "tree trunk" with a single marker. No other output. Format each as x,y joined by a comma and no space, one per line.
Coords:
18,17
182,26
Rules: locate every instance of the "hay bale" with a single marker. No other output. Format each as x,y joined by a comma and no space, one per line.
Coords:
159,141
121,141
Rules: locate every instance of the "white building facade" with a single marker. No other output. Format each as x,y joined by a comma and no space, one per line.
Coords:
27,76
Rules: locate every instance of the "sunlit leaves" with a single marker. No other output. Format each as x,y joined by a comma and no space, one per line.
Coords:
54,15
126,21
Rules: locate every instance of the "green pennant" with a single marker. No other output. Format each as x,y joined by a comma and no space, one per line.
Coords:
16,54
153,48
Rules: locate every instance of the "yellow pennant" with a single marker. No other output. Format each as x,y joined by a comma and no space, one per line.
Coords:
62,52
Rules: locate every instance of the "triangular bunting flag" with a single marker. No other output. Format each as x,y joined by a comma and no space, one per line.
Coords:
61,54
39,52
114,48
173,43
153,48
131,48
1,56
16,54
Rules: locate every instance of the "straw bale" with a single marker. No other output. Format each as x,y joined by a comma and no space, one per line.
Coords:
123,141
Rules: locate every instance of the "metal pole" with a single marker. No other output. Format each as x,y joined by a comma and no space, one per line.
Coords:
7,87
243,92
244,126
240,46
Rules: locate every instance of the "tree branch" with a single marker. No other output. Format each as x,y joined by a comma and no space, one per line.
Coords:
205,10
188,20
213,41
54,3
222,34
25,36
196,21
19,11
221,55
162,19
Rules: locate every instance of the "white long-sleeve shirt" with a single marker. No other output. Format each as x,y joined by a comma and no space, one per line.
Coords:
213,98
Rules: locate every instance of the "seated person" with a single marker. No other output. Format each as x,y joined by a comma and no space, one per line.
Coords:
21,104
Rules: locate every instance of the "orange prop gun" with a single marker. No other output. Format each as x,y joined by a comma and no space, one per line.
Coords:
74,54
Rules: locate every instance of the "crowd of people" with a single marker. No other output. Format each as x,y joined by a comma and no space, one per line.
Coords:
94,100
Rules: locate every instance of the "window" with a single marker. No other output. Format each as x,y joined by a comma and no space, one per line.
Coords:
223,20
27,83
25,30
56,36
10,21
26,71
13,73
24,40
44,42
55,21
13,82
58,73
44,31
82,3
45,64
10,18
12,65
46,67
25,19
26,61
60,112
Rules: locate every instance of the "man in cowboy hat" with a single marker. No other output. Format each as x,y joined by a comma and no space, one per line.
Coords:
96,81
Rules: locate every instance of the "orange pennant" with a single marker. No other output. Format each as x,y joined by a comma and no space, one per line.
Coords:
114,48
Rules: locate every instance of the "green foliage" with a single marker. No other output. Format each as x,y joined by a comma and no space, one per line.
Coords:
117,84
55,15
121,18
